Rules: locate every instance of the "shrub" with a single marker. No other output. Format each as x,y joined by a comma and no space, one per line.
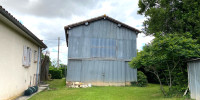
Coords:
63,71
141,80
55,73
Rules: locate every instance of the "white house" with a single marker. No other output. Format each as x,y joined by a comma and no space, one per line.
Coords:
20,56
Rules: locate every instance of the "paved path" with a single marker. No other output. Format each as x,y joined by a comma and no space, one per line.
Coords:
40,88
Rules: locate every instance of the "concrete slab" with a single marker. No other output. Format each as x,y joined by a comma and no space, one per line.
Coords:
40,88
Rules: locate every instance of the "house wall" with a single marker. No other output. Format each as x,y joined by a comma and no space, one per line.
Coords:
98,53
194,79
14,78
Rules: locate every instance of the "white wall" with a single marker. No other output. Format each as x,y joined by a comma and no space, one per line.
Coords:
14,78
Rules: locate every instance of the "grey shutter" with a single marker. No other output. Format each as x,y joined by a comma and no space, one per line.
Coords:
24,58
27,60
30,54
35,56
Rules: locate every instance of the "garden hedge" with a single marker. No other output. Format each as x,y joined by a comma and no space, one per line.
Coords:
55,73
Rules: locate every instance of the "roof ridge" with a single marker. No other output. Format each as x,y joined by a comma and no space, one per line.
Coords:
83,21
100,17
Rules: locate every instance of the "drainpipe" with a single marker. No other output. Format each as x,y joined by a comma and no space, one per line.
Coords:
38,67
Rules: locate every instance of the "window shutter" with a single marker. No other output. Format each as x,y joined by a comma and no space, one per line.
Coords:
24,59
30,54
27,60
35,56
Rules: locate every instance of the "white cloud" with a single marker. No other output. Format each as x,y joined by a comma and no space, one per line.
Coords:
50,8
47,18
142,40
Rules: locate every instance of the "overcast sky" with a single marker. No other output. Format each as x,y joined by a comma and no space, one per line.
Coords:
47,18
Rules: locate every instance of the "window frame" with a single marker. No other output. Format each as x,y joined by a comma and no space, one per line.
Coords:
27,54
35,56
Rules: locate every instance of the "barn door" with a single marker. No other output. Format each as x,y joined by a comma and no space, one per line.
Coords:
99,74
92,71
100,65
113,73
104,73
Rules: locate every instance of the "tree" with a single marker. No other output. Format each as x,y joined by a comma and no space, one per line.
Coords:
63,67
54,63
166,56
171,16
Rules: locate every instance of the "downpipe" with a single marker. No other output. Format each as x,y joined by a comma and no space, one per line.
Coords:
38,68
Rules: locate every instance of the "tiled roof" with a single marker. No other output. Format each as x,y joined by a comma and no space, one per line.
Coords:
11,18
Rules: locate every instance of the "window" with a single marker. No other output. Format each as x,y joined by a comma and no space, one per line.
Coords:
26,56
35,56
105,48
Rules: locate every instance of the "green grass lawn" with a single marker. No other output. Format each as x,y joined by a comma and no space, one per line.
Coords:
58,91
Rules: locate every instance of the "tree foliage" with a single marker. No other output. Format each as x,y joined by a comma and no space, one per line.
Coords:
165,57
176,27
63,67
170,16
56,73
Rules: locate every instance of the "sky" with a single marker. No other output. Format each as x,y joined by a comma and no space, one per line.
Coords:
47,18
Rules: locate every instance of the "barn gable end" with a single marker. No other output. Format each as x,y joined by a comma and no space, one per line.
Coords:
99,52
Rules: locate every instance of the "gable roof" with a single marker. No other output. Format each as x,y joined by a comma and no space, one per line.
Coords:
68,27
98,18
12,19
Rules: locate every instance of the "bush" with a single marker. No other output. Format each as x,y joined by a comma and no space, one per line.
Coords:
151,77
55,73
141,80
63,71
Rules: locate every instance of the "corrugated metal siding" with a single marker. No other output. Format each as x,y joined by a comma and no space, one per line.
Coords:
131,75
100,71
101,33
74,72
194,79
103,40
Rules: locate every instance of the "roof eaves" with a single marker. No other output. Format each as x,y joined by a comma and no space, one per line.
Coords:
83,22
18,24
101,17
123,24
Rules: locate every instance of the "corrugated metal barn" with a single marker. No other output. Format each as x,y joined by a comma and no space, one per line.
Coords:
194,78
99,50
